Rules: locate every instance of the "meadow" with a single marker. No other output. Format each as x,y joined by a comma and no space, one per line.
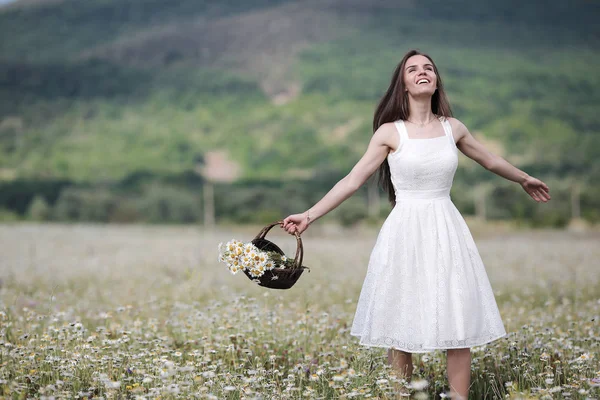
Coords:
147,312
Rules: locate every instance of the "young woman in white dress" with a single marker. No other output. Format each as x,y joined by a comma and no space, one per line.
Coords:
426,287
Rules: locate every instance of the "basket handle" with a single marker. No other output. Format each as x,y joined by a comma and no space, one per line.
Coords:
299,247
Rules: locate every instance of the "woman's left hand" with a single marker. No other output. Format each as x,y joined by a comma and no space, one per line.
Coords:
537,189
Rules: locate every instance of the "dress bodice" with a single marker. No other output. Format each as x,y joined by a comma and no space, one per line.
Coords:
423,168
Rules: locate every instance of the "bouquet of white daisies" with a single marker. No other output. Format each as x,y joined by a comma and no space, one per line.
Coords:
240,256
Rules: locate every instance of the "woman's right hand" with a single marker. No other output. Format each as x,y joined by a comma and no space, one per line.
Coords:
295,223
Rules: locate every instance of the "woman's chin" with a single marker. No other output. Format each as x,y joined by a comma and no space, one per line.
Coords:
423,92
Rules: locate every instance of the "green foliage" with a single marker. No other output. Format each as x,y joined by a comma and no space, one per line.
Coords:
514,73
81,204
259,202
169,204
39,210
18,194
59,31
590,204
352,212
8,215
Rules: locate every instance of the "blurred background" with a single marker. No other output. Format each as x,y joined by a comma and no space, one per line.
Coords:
235,112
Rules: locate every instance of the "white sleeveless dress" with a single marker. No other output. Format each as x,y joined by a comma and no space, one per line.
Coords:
426,287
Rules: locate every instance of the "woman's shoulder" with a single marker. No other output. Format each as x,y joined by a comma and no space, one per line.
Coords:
387,134
455,123
387,129
458,128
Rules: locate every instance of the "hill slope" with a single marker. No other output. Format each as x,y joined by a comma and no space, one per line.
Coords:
97,90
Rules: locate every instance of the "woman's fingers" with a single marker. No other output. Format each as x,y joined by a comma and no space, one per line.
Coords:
546,196
543,188
540,196
534,195
541,192
290,228
291,224
546,188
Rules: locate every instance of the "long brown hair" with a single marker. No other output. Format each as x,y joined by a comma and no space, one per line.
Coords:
393,106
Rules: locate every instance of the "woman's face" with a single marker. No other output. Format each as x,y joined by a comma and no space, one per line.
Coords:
419,76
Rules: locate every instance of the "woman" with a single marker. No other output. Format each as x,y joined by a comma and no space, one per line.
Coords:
426,287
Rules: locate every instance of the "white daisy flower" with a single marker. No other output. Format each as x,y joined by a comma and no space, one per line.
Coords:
246,261
235,267
419,384
249,247
253,272
262,256
255,257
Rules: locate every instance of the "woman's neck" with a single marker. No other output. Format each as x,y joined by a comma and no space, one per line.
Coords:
420,110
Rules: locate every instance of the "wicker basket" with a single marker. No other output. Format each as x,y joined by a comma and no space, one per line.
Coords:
278,278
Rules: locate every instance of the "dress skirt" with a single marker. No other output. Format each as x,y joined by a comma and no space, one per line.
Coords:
426,287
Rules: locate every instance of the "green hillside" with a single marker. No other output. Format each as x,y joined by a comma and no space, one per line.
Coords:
97,92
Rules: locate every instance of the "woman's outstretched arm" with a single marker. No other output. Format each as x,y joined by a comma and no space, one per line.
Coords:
473,149
384,139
